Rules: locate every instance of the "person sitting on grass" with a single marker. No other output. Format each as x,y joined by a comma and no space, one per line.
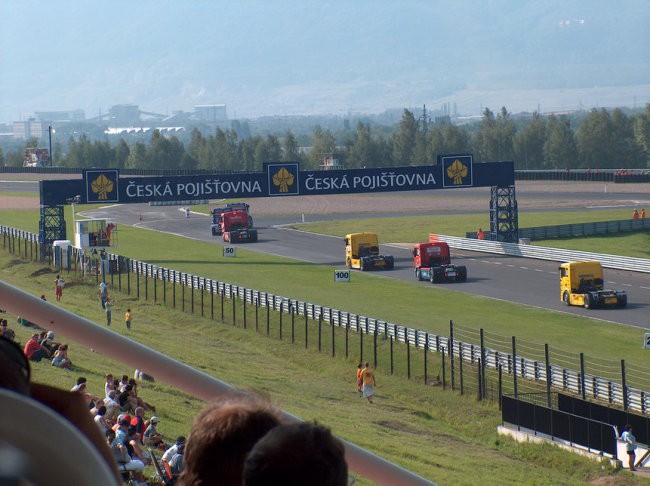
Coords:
61,359
34,351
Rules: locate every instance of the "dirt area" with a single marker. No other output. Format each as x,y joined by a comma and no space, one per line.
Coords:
530,195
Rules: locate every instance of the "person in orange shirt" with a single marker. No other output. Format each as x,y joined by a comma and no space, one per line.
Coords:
480,235
643,213
359,379
635,214
368,377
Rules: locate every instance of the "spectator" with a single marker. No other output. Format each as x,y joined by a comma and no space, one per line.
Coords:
177,464
5,331
642,213
140,401
34,351
368,376
108,385
123,383
108,305
169,453
134,445
127,401
81,387
359,379
59,283
152,437
137,421
126,462
99,403
61,359
630,446
297,454
103,293
480,234
112,406
15,367
101,421
49,342
635,214
128,318
221,436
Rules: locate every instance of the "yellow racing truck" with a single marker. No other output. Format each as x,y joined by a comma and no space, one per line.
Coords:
362,252
581,283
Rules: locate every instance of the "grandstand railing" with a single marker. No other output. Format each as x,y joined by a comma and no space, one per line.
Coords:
630,390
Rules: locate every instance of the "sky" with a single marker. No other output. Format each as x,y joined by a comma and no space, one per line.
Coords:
289,57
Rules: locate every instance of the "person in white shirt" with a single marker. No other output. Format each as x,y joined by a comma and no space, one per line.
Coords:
169,453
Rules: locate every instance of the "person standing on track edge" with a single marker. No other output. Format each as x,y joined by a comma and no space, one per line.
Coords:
59,283
368,377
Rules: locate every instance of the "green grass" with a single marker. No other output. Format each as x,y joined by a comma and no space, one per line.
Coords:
438,434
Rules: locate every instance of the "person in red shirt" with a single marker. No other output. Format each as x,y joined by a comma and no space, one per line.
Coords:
643,213
34,351
480,234
635,214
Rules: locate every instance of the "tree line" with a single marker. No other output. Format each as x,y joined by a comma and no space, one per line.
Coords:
597,139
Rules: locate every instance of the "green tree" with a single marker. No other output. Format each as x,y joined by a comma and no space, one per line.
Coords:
560,150
361,150
290,147
455,140
595,138
323,144
529,144
404,140
137,157
642,133
121,154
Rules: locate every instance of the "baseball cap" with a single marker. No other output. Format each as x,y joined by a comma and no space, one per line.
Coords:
154,419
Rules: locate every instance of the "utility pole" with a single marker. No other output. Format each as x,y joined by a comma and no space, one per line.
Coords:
425,119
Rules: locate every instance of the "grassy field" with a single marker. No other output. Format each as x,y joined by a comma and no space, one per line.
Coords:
422,428
441,435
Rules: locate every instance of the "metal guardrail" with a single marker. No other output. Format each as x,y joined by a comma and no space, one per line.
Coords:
529,368
544,253
584,229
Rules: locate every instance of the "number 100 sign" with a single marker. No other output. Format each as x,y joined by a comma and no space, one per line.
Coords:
341,275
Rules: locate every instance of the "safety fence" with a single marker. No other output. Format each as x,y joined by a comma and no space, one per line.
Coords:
543,253
574,230
466,360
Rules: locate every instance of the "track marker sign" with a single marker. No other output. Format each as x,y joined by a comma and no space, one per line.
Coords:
646,340
342,275
229,251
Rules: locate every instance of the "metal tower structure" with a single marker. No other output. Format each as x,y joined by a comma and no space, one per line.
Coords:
504,218
51,227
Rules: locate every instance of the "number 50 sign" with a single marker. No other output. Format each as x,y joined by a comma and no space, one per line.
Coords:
341,275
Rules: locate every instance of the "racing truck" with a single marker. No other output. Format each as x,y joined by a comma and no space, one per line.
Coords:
362,252
218,212
581,283
432,261
235,228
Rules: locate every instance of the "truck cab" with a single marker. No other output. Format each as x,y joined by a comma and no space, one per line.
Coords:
362,252
217,216
235,228
432,261
581,283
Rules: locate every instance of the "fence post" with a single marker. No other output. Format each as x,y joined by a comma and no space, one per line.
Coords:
155,285
293,323
583,387
233,298
320,327
333,336
183,285
549,375
202,286
426,350
408,354
137,282
514,366
223,296
304,307
500,387
374,339
460,367
174,279
624,385
146,278
281,311
268,314
192,294
392,365
483,363
443,367
480,381
211,299
360,340
257,307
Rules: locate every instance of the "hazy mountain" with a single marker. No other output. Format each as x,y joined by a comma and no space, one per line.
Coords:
301,57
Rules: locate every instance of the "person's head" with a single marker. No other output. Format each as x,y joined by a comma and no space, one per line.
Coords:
43,297
180,449
359,366
110,435
139,412
109,378
154,420
124,423
50,335
81,380
628,427
63,347
296,454
16,371
222,435
111,394
125,378
367,364
101,410
35,336
180,440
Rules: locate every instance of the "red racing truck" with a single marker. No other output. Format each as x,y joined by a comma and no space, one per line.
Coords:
235,228
432,261
218,212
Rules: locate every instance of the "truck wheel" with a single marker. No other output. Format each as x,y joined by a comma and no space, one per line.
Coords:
622,301
565,297
461,274
436,274
588,303
348,264
390,263
418,274
362,265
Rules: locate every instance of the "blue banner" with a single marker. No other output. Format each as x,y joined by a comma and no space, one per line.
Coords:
278,180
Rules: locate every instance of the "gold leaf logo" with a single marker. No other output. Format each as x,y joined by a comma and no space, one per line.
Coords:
102,186
283,179
456,171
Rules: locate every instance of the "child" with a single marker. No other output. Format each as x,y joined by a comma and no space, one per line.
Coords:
127,318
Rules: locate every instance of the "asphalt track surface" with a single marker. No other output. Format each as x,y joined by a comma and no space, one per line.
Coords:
518,280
